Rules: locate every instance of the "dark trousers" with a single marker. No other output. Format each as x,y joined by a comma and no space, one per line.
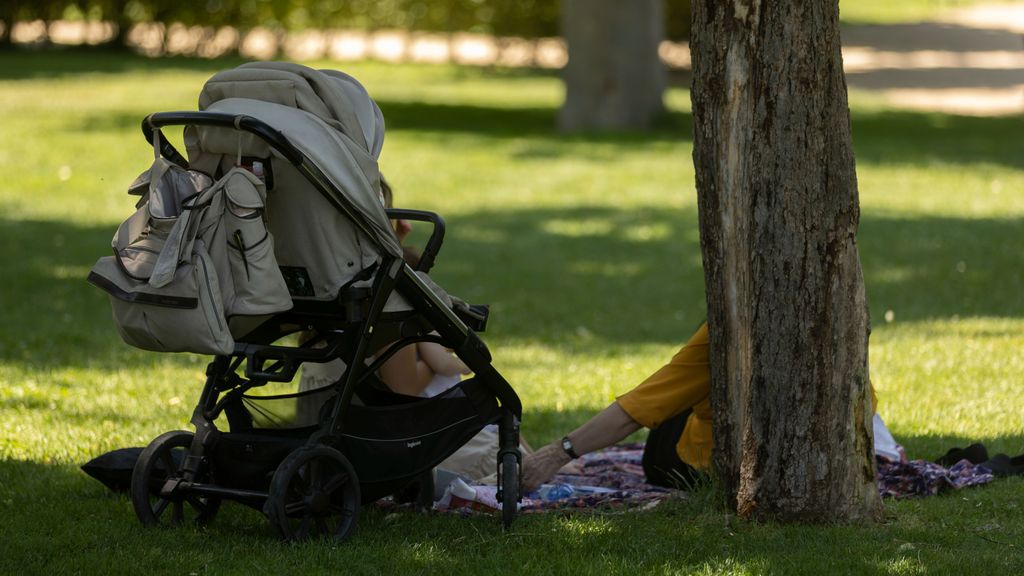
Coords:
661,462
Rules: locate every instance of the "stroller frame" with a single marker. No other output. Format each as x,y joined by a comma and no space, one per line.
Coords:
314,488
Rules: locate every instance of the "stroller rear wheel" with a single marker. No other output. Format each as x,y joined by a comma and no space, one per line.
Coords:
314,492
158,463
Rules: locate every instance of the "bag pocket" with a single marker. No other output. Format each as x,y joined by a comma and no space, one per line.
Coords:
259,286
186,315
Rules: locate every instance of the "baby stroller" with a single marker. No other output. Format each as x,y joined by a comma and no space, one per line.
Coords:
273,228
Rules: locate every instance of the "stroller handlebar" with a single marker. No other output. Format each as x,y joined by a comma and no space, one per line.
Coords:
433,246
265,132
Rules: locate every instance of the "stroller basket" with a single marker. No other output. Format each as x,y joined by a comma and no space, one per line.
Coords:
389,442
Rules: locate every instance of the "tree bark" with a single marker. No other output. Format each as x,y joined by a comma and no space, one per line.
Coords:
614,79
787,312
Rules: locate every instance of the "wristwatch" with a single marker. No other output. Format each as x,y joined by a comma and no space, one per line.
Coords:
568,447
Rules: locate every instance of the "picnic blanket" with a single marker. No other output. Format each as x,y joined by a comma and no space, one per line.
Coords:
614,478
609,478
913,478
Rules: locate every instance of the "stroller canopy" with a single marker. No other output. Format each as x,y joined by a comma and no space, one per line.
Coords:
327,115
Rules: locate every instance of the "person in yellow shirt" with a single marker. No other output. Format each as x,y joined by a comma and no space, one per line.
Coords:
674,403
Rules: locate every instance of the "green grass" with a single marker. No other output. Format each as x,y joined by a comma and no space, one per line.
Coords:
588,250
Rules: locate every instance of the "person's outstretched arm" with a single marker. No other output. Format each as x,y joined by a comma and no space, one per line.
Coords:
607,427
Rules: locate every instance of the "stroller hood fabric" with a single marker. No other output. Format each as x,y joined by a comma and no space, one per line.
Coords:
326,115
328,94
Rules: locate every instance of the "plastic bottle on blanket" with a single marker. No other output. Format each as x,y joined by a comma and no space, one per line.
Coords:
553,492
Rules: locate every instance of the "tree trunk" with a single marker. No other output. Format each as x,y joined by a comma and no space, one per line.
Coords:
614,79
9,16
123,22
777,196
6,40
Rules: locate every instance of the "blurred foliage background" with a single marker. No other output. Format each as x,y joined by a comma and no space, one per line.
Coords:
523,18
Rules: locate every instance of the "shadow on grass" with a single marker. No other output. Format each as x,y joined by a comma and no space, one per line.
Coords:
76,61
127,121
923,138
611,278
880,138
516,122
52,316
937,267
536,124
544,285
553,274
588,276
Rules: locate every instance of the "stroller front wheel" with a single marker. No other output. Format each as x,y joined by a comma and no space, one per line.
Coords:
159,462
509,488
314,492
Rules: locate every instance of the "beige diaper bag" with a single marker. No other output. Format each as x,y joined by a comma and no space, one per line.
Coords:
195,254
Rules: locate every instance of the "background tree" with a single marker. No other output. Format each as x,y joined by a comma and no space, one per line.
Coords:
11,12
779,211
115,11
521,18
614,78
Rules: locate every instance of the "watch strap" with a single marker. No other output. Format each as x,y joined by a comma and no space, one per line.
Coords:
569,448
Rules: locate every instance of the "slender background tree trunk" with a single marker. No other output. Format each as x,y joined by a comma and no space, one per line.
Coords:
614,79
779,211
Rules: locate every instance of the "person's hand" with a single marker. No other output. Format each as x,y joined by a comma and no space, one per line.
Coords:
541,465
402,229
